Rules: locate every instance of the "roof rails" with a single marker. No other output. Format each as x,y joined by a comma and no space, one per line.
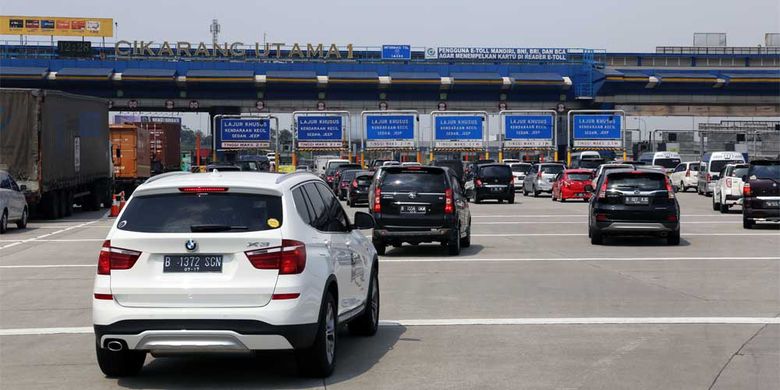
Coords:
165,175
292,175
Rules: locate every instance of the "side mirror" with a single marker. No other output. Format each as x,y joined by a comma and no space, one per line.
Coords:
23,187
588,188
363,221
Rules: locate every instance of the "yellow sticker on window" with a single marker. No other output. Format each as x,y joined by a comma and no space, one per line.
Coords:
273,223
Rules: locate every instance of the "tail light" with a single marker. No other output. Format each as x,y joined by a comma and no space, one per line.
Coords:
746,189
478,183
709,178
688,173
289,259
377,200
603,190
449,207
539,175
671,218
329,179
669,188
115,258
203,189
354,183
566,183
601,217
728,182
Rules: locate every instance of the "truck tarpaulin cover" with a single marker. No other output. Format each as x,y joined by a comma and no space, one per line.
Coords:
73,133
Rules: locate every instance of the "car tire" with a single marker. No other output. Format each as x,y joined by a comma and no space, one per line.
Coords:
724,208
4,222
380,246
477,200
367,323
562,199
715,206
747,223
318,360
536,193
673,239
115,364
500,201
525,193
22,222
453,244
511,199
596,237
465,242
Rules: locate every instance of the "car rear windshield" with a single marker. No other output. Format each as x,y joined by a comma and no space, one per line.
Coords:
204,212
556,169
579,176
667,162
636,181
364,180
717,165
521,168
769,170
739,172
420,180
694,167
498,171
348,175
591,163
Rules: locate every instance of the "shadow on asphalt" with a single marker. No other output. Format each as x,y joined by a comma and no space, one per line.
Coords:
430,250
278,370
640,241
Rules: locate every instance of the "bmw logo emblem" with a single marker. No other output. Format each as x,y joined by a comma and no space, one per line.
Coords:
191,245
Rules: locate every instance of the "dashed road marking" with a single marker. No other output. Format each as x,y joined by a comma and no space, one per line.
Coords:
522,259
584,234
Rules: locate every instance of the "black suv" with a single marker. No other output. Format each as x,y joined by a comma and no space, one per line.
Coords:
634,202
419,204
357,191
761,193
491,181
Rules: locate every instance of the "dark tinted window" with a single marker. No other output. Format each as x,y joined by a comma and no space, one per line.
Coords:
579,176
177,213
420,180
695,167
717,165
667,162
770,170
364,180
300,204
552,168
521,168
499,171
348,175
739,172
5,182
636,181
318,206
591,163
337,220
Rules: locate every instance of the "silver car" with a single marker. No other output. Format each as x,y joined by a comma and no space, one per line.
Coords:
541,177
13,206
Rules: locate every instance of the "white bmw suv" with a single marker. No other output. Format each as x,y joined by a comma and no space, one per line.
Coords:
233,262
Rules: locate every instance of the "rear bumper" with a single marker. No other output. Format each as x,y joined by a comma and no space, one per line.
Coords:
631,227
433,234
543,185
488,193
772,215
567,193
358,197
205,335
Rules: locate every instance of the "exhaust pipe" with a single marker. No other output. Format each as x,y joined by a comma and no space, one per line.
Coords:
114,345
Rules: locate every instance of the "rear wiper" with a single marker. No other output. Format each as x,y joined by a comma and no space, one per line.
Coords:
213,227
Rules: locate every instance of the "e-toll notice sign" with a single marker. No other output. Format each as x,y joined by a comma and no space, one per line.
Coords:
241,133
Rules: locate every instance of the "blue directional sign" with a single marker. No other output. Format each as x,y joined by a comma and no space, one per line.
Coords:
528,127
458,127
244,132
313,128
602,126
390,127
396,52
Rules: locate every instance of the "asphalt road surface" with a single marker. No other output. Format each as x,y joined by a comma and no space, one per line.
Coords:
531,304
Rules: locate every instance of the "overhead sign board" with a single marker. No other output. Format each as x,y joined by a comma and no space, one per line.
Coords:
396,52
239,133
597,127
320,131
459,131
499,53
390,131
56,26
528,131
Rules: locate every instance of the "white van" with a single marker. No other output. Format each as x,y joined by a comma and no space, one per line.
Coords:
668,160
710,167
321,163
593,159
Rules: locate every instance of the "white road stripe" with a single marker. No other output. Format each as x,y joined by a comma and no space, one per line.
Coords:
47,266
62,240
486,321
584,234
521,259
49,234
585,215
585,220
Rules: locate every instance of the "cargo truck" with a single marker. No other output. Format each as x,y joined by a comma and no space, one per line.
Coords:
56,145
130,156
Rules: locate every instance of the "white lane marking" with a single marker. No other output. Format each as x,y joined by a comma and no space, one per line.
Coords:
578,222
62,240
583,234
47,266
486,321
585,215
521,259
49,234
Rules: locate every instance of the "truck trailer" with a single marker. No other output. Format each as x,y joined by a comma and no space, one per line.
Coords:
56,145
130,156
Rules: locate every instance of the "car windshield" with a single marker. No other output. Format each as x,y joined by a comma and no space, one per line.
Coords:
739,172
579,176
248,166
667,162
636,181
765,171
717,165
495,171
552,169
694,167
420,180
524,168
591,163
185,212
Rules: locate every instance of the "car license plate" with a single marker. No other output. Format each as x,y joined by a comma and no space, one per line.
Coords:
497,189
414,209
637,200
192,263
772,203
